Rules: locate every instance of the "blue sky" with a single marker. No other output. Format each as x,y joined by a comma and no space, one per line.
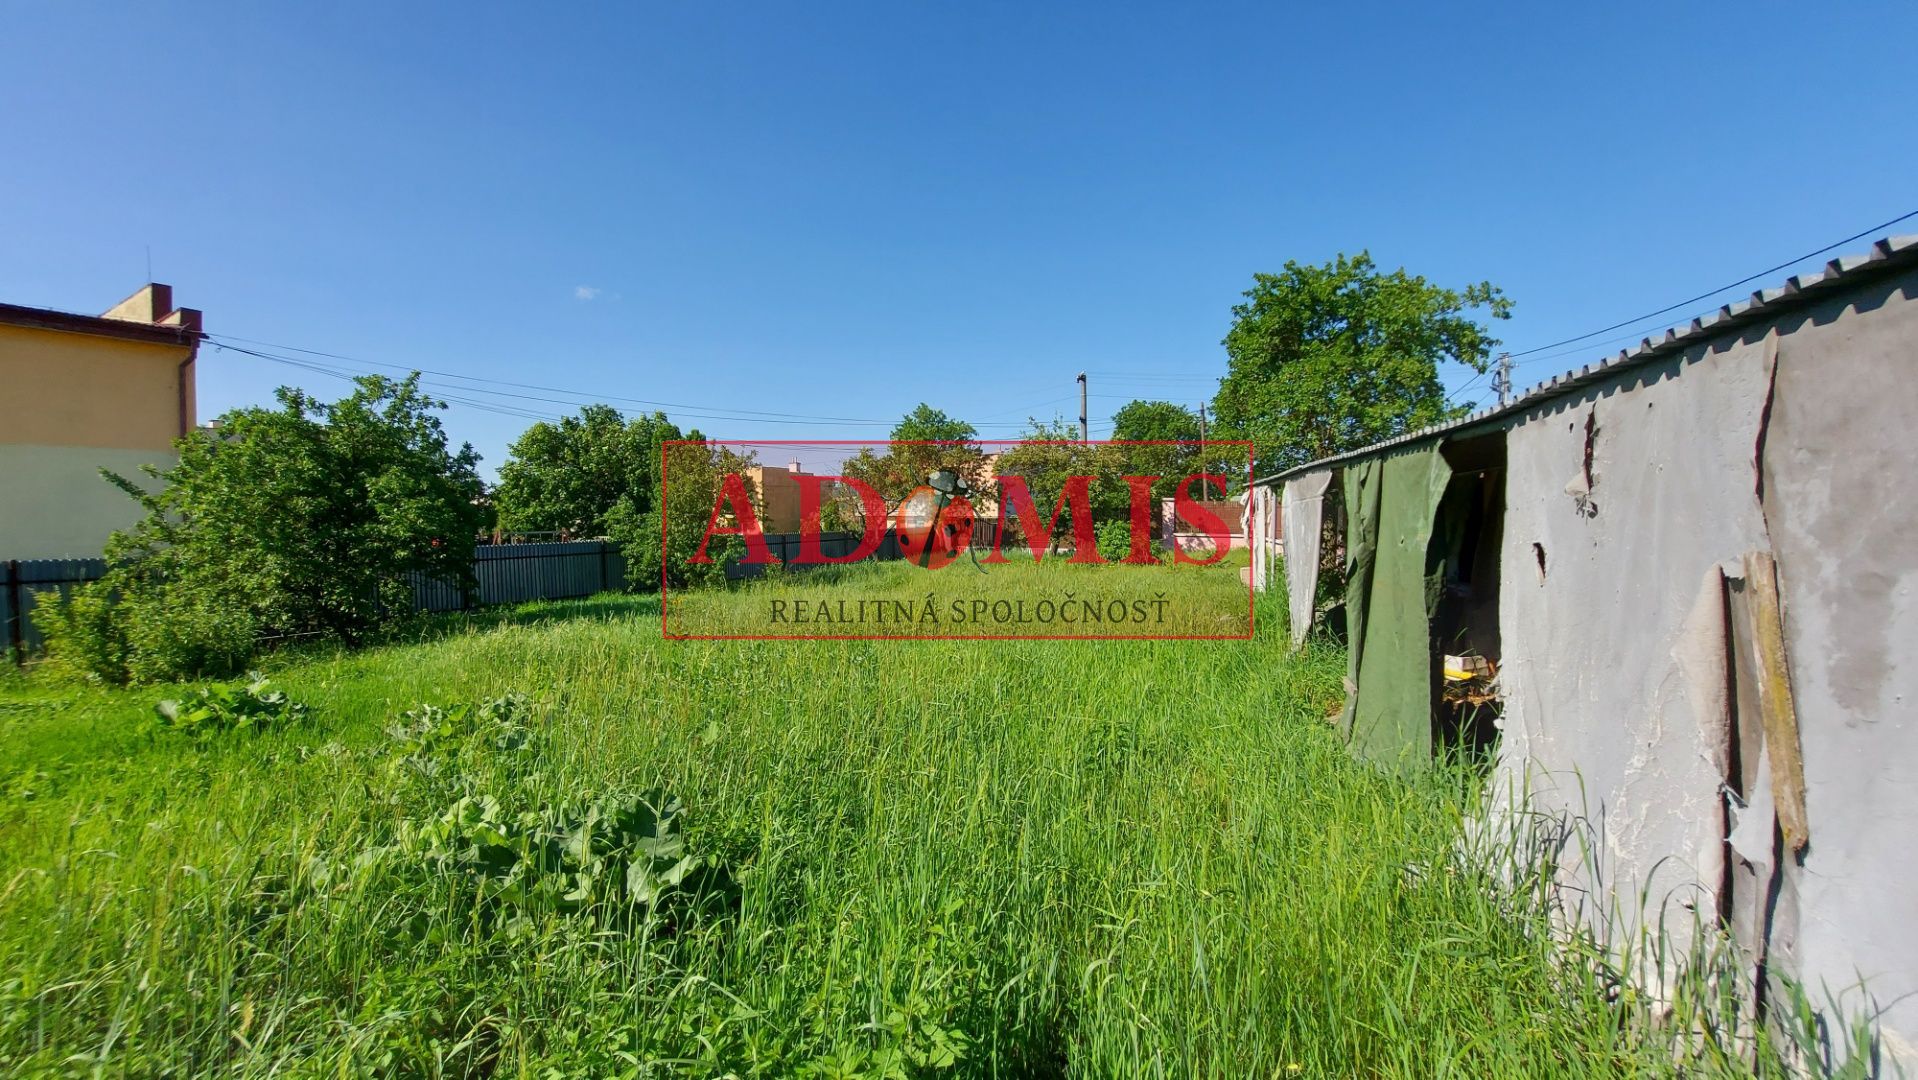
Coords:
841,210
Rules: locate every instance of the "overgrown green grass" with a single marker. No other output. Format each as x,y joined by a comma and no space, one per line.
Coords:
1000,858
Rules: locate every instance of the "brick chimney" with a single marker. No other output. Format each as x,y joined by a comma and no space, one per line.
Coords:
154,304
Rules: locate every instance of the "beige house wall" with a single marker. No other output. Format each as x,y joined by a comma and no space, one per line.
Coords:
79,394
66,389
54,504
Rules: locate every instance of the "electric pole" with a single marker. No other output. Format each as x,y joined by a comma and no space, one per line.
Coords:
1502,382
1084,431
1204,489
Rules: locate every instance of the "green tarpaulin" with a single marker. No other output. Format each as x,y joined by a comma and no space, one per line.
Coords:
1392,585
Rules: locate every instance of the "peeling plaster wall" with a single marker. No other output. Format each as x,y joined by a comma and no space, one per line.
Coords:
1622,502
1629,507
1843,516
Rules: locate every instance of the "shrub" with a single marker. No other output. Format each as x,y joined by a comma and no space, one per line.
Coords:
1113,538
619,856
133,626
306,520
440,746
81,634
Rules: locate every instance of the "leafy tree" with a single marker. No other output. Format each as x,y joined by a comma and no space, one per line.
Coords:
695,470
600,474
1159,421
1155,420
1325,359
1048,455
927,424
582,473
924,441
298,521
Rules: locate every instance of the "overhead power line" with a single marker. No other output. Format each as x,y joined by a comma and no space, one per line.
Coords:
1468,384
220,339
1536,358
346,370
1767,272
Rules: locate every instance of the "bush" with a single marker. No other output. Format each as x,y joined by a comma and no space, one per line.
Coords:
1113,538
440,748
617,857
82,635
122,629
302,521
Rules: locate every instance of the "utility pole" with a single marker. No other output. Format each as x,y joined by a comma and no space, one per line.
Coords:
1204,491
1502,382
1084,430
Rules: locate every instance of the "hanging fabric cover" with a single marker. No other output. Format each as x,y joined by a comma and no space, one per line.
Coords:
1301,516
1392,587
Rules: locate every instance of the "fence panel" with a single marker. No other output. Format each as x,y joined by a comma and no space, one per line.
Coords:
785,546
514,573
27,583
510,573
506,573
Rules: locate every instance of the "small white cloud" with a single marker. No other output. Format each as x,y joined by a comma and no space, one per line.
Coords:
585,292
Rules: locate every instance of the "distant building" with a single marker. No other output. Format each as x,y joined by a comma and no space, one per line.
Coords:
79,393
778,491
1176,531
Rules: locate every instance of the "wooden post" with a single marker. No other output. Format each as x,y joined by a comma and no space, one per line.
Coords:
1775,704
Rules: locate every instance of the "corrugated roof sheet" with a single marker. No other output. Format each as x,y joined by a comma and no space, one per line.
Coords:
1887,255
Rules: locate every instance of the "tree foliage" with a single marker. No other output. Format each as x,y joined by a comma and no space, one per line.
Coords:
582,473
601,473
924,441
298,521
1048,455
694,470
1325,359
1159,421
1166,423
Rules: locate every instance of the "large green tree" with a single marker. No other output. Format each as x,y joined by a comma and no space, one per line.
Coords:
661,541
1159,422
1325,359
1155,420
924,441
582,473
304,520
1047,457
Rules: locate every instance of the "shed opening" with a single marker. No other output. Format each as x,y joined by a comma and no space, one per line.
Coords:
1465,629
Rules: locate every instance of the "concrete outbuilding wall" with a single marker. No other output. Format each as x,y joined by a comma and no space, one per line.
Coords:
1708,615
